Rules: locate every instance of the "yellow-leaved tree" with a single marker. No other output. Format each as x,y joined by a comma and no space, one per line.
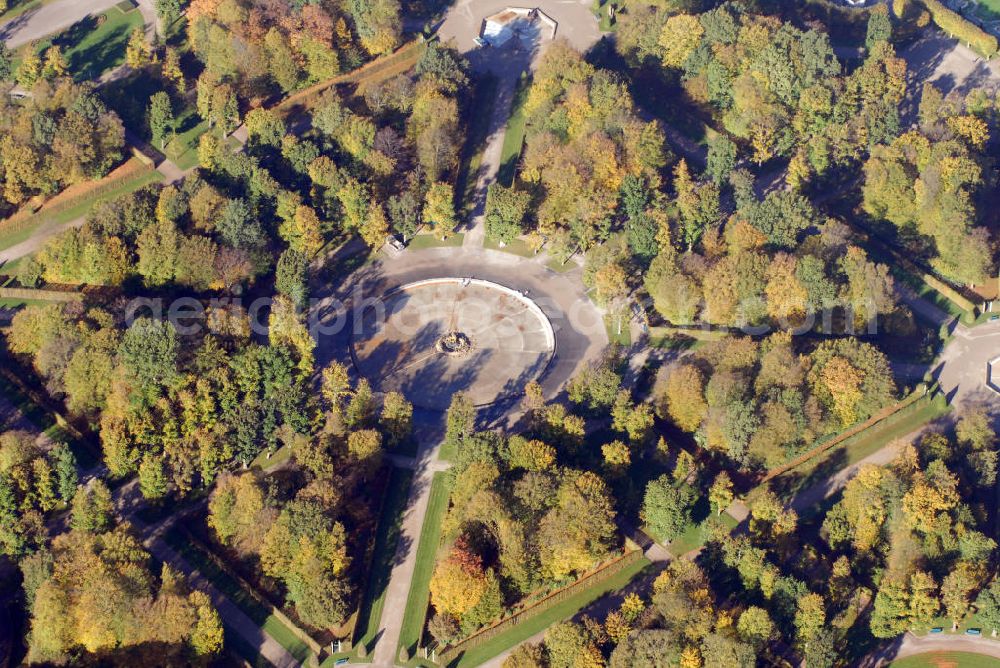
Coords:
459,581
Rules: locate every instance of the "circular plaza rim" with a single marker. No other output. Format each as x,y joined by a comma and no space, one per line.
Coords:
396,341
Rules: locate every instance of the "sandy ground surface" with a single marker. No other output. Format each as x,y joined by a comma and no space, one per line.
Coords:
505,342
49,18
948,64
576,22
578,325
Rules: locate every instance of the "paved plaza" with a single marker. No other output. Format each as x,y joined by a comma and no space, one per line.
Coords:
434,338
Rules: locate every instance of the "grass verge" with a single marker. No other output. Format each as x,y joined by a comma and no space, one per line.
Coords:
19,8
386,537
183,148
18,303
513,136
949,659
517,247
694,536
561,267
415,613
618,329
252,608
422,241
556,613
280,456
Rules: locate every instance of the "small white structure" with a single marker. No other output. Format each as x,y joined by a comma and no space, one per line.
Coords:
522,22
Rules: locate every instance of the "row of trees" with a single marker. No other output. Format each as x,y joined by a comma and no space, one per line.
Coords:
760,403
908,535
262,46
307,531
926,182
517,519
33,483
62,135
920,520
679,624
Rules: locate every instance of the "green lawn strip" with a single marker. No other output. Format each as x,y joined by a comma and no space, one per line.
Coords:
693,332
447,452
563,610
926,292
10,269
280,456
183,148
971,621
386,536
694,536
332,659
561,267
679,338
78,210
604,21
422,241
618,329
516,247
857,447
950,659
95,44
252,608
513,137
418,598
18,303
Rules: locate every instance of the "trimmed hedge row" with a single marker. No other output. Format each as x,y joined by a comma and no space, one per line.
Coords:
962,29
399,60
591,579
40,295
220,563
948,292
133,169
886,412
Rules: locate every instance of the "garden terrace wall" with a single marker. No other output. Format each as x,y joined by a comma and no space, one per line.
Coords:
588,580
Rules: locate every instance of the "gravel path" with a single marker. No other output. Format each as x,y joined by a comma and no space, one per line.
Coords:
911,645
232,616
49,18
405,562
